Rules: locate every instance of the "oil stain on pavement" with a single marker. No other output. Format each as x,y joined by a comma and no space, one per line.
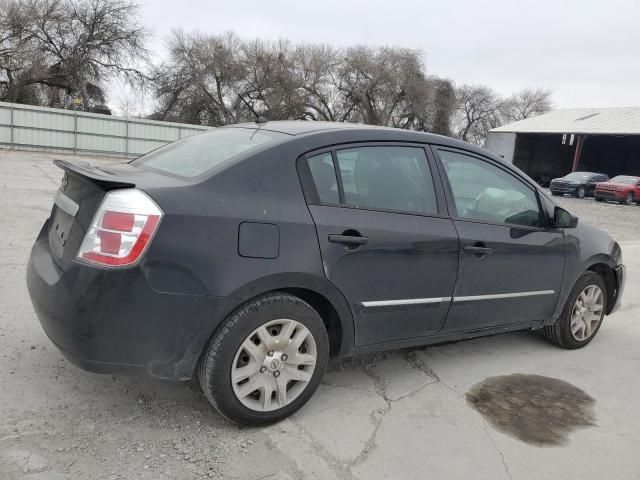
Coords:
538,410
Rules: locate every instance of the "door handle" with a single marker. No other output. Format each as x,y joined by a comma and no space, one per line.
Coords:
478,249
353,240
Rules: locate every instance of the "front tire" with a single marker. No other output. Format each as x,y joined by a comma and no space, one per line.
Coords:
628,200
582,315
580,192
266,360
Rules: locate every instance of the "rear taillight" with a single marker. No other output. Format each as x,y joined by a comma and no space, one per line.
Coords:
121,229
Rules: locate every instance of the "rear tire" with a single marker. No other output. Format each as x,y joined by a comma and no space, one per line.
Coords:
253,337
560,333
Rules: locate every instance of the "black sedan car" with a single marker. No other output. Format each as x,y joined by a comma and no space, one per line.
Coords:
249,255
578,184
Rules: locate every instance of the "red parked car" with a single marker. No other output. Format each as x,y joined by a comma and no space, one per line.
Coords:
623,188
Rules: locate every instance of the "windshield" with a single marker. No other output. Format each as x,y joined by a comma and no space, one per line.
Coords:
578,176
199,153
625,179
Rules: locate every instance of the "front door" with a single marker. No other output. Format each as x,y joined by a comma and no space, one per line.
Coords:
384,240
511,263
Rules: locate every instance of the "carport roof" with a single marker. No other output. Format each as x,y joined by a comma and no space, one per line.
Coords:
613,121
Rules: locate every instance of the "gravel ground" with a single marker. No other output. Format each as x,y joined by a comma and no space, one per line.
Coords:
395,415
621,221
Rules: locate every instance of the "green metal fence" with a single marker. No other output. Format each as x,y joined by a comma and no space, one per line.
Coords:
23,127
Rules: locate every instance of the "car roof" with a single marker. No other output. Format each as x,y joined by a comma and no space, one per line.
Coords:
299,127
311,127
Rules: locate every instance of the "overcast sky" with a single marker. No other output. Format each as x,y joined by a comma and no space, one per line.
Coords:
587,52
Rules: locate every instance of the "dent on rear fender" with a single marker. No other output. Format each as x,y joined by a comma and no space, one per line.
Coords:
167,276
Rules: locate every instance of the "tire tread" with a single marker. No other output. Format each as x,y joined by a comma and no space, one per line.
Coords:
211,355
554,333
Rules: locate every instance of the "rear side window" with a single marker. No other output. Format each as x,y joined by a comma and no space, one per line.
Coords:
376,178
324,178
197,154
388,178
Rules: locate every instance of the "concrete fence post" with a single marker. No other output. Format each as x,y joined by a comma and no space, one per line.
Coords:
75,132
12,139
126,139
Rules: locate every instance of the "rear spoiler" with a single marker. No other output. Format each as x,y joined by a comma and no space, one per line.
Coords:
85,171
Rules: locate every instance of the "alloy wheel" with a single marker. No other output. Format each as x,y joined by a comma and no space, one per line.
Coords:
273,365
580,192
587,312
629,199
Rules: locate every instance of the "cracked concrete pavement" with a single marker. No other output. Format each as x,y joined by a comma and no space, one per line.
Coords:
396,415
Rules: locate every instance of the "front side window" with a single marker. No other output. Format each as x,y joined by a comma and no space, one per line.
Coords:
387,178
486,193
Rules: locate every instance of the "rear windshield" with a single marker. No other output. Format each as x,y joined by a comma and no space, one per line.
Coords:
625,179
194,155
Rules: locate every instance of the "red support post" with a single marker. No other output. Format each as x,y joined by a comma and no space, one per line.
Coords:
578,153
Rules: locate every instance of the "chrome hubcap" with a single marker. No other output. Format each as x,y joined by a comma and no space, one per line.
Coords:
273,365
587,312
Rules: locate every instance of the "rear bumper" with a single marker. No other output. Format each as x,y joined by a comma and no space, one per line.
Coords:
621,277
113,321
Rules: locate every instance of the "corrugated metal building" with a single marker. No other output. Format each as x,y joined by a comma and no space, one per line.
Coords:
603,140
24,127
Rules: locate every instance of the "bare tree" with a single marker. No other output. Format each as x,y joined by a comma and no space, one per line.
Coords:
54,50
200,81
386,86
205,75
315,68
477,111
438,114
526,103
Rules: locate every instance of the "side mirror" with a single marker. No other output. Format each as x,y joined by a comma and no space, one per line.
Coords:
563,219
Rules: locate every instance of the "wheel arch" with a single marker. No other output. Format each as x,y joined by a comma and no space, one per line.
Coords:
601,263
605,271
318,292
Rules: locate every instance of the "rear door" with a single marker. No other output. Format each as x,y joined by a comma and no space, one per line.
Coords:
511,264
384,235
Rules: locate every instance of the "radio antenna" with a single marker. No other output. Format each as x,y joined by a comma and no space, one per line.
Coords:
259,118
